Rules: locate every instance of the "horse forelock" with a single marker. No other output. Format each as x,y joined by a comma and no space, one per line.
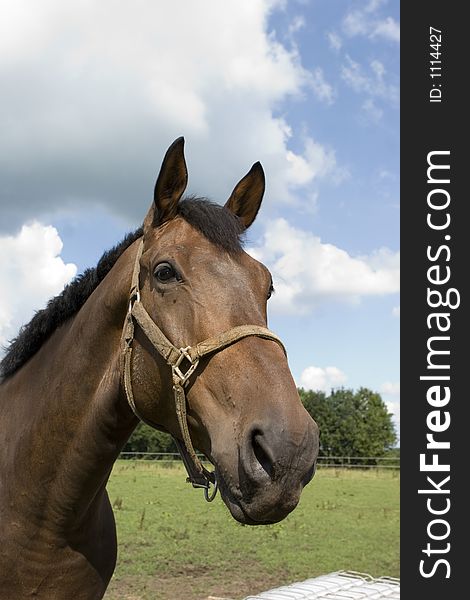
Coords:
215,222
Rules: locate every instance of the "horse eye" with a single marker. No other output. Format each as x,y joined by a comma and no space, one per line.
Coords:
164,272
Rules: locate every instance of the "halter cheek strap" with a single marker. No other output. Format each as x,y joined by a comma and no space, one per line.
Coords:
178,359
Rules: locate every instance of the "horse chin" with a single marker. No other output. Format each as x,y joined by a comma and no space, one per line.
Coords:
237,512
248,513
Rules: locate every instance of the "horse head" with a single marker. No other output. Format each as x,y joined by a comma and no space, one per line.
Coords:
196,282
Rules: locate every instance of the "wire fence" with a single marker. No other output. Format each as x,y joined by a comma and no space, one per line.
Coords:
332,462
359,462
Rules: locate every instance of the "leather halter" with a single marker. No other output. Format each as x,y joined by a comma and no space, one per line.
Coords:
175,357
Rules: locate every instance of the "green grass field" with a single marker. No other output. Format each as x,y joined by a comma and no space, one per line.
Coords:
173,545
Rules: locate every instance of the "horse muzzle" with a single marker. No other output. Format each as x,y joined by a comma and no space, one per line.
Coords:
265,484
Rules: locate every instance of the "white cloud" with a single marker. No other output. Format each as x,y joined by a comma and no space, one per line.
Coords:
354,24
308,272
370,81
321,88
388,29
94,92
373,5
31,272
390,388
378,68
396,311
365,21
386,174
317,161
372,111
391,392
354,74
334,40
322,379
297,23
394,409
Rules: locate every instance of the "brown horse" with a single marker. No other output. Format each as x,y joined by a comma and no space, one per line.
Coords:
171,324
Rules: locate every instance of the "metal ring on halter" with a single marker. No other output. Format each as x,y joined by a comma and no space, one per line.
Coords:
184,354
210,497
134,298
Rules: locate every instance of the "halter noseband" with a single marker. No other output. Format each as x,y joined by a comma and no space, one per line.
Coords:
198,475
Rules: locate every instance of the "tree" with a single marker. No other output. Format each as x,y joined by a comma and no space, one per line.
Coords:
351,423
147,439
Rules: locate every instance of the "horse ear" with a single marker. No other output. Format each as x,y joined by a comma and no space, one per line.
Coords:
170,186
245,199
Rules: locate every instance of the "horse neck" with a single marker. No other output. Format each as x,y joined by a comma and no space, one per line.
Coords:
70,413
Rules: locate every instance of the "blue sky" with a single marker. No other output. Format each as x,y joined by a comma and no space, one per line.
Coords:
93,96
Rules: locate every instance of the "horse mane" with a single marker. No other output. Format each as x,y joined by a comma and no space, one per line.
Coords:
215,222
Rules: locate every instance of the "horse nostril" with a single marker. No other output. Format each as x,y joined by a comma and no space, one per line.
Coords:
262,453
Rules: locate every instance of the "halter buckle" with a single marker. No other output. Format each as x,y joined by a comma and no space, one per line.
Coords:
184,354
